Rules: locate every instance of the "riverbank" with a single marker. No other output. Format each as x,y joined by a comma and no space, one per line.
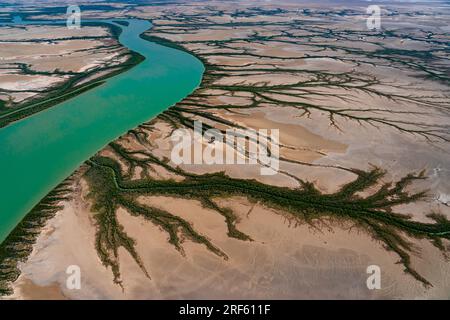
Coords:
63,137
73,87
351,180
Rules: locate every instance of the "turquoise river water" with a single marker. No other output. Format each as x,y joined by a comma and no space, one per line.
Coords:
39,152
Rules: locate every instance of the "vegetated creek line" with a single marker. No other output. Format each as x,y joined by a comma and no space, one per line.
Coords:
39,152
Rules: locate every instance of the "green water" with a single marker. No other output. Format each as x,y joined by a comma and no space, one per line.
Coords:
39,152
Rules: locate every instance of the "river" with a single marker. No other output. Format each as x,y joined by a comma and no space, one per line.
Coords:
39,152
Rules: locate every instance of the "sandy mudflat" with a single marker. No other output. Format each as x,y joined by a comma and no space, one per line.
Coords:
30,291
27,82
306,146
283,261
49,32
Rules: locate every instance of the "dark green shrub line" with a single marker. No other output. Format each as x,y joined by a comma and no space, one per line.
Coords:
19,244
